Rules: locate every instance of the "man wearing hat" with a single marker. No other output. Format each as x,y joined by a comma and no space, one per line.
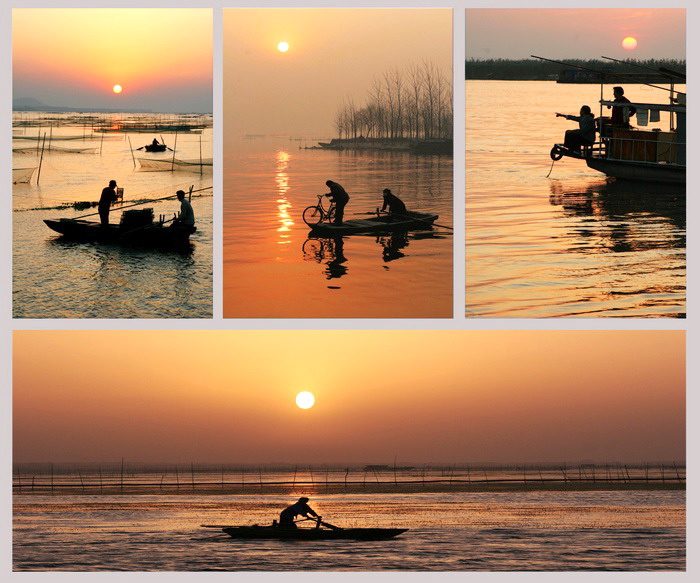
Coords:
301,507
109,195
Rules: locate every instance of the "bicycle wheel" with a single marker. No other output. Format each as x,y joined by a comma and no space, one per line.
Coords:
331,214
312,216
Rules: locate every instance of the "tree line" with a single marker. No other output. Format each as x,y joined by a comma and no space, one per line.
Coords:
413,103
536,70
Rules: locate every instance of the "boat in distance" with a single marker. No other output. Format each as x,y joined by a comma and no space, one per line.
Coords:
275,532
383,223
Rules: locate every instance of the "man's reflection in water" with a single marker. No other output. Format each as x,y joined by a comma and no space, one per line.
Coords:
392,245
329,251
335,268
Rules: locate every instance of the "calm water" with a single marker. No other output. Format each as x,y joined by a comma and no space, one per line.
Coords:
53,278
572,244
634,530
273,269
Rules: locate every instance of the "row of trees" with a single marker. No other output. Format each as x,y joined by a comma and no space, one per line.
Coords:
413,103
534,69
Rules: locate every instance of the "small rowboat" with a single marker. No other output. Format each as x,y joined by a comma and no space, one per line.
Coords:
152,235
155,148
404,222
275,532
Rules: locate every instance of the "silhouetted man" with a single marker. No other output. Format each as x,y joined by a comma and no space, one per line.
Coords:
301,507
585,135
108,196
186,218
617,117
395,205
340,198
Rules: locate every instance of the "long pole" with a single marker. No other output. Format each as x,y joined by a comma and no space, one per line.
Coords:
41,160
582,68
132,151
201,167
172,167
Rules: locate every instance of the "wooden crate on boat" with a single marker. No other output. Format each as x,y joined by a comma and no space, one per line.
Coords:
634,145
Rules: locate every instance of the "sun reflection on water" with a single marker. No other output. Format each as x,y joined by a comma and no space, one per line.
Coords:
283,205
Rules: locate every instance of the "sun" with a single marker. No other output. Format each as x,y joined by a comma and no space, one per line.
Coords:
117,89
629,43
305,400
283,46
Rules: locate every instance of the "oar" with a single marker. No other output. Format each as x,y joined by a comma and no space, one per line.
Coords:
412,218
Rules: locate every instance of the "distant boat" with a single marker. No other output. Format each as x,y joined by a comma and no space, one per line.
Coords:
22,175
155,147
175,164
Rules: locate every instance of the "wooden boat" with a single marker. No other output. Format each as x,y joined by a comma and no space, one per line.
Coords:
155,147
275,532
382,223
137,229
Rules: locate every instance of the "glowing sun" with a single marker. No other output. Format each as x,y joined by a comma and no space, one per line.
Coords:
283,47
117,89
305,400
629,43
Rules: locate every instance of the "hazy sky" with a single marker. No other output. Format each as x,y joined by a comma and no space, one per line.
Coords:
445,396
73,57
575,33
333,54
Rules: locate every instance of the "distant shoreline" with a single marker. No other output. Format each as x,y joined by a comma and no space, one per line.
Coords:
356,488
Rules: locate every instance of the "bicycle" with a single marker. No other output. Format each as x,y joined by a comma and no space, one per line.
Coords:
315,215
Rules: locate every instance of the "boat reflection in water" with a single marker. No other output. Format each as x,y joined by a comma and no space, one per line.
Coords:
330,251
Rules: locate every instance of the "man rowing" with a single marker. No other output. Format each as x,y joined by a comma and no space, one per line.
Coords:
300,507
397,208
340,198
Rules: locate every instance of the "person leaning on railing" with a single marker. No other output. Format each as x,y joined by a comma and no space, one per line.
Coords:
585,135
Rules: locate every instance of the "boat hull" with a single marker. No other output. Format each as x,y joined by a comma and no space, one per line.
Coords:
630,170
154,235
269,532
412,220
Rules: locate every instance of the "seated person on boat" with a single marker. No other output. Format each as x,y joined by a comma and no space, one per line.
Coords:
397,208
585,135
301,507
340,198
186,218
618,117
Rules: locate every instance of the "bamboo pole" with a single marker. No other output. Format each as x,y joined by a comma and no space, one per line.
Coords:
201,163
41,160
133,158
172,167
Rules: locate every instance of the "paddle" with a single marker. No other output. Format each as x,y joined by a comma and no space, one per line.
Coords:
413,218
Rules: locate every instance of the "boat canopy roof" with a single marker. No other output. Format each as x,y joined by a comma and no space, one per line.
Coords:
673,107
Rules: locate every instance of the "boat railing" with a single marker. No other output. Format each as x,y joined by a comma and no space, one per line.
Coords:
642,149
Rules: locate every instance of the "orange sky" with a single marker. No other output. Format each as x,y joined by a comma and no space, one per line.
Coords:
161,57
582,33
334,54
445,396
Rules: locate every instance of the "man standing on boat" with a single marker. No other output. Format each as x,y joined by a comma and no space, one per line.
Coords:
585,135
301,507
109,195
618,117
340,198
186,218
397,208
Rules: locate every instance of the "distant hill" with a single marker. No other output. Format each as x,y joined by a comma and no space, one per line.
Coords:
32,104
536,70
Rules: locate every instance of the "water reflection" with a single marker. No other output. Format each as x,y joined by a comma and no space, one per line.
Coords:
623,213
283,205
